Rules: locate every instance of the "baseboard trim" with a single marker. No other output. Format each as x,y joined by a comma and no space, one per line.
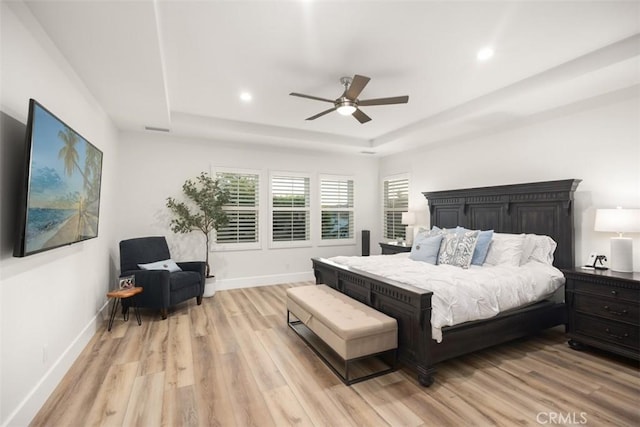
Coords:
35,399
251,282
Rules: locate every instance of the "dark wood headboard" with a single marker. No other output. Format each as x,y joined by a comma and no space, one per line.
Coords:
538,207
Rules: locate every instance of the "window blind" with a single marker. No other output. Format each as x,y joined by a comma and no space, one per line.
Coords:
242,209
395,201
336,202
290,208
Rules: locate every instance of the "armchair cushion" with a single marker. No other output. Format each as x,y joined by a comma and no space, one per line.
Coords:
142,250
183,279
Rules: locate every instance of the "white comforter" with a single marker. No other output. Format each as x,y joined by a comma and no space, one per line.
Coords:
461,295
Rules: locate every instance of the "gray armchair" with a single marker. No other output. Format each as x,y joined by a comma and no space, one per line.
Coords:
162,289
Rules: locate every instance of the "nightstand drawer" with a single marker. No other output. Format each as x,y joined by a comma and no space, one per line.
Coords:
610,308
613,332
394,248
603,290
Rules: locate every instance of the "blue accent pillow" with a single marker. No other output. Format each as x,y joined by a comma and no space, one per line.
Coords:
426,248
482,245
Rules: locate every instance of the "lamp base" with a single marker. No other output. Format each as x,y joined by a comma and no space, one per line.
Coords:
621,254
409,235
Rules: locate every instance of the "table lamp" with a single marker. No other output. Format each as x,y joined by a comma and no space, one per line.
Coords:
409,219
619,221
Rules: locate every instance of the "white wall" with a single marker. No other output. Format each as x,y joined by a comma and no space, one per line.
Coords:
154,166
597,141
48,301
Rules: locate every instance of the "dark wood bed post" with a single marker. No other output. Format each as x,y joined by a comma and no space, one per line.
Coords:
540,208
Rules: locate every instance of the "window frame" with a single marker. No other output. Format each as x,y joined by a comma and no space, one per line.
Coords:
352,210
239,246
308,242
385,210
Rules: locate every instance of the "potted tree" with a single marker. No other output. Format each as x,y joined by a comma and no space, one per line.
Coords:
202,212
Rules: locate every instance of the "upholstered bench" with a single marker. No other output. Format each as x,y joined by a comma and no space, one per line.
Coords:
351,329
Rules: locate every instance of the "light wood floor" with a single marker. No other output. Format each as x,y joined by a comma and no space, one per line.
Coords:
234,362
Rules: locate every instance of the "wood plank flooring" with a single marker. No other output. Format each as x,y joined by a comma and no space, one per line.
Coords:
234,362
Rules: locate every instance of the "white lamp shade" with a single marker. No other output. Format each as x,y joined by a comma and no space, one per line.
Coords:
618,220
408,218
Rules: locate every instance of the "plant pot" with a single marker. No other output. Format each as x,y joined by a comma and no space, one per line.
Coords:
209,287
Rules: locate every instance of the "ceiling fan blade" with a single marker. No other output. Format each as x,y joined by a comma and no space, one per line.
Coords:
322,114
357,84
385,101
301,95
360,116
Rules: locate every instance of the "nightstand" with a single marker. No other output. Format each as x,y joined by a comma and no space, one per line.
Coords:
394,248
604,310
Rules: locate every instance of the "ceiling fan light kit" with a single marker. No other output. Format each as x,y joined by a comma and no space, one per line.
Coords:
348,103
346,107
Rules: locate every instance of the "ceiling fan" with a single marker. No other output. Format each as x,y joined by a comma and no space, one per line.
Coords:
348,103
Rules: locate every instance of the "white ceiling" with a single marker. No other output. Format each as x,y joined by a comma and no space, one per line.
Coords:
182,65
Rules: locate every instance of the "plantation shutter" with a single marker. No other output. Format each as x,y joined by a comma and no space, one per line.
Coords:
242,209
290,208
395,201
336,203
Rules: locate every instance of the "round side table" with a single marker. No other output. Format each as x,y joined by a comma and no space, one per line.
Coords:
120,294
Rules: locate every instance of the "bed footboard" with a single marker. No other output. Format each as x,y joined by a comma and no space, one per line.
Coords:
410,306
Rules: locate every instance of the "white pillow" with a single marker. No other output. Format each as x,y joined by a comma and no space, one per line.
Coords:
505,249
538,248
167,264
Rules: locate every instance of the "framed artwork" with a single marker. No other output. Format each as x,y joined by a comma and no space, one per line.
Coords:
127,282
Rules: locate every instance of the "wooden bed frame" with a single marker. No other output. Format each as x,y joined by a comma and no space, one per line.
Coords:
540,208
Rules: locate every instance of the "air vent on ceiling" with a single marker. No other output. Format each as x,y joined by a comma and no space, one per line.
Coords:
156,129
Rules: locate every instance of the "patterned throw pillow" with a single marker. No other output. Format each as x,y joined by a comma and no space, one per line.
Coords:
457,248
482,246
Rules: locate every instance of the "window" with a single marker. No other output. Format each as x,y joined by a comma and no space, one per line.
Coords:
242,209
290,208
395,201
336,204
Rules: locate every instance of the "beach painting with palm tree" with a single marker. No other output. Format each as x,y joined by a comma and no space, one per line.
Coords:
64,187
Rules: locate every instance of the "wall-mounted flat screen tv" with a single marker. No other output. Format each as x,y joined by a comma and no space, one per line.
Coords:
61,195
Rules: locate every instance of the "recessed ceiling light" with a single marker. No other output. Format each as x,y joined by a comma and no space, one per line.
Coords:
485,53
246,96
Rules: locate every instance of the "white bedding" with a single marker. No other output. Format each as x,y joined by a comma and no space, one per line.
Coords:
461,295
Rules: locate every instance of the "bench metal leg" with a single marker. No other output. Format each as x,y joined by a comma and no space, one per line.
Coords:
298,324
